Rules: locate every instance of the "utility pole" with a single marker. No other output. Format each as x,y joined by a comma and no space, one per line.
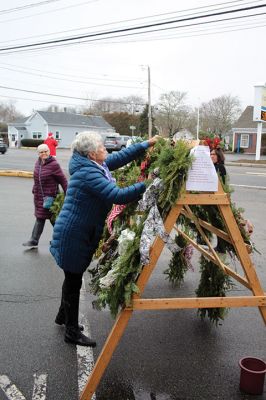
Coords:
149,104
198,124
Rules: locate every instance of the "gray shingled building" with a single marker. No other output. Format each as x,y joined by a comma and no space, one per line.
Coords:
64,125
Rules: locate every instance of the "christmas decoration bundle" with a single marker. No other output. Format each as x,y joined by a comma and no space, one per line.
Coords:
130,230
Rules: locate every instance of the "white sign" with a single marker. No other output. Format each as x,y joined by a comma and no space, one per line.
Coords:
202,176
259,111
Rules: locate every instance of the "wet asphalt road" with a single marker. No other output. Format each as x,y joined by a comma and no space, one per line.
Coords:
163,355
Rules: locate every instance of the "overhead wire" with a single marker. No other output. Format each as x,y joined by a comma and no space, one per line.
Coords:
121,31
204,31
225,5
26,6
184,36
49,11
67,76
41,101
72,80
65,96
159,30
94,39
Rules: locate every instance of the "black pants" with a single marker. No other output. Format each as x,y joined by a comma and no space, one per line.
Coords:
69,308
38,229
72,283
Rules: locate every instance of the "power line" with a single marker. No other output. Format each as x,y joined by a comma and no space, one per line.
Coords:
132,34
225,5
220,25
40,3
126,79
67,97
43,73
193,34
42,101
49,11
93,35
70,80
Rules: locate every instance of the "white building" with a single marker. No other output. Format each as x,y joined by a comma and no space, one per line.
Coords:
65,126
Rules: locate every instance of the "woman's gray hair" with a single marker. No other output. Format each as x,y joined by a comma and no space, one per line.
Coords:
43,147
86,142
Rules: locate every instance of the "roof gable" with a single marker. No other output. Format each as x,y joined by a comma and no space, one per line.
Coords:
246,119
64,118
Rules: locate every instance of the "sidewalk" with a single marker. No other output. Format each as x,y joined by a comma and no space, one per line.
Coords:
245,160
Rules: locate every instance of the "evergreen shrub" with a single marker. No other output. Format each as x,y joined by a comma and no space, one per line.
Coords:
31,142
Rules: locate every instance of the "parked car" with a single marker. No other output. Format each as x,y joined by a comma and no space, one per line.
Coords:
115,142
3,146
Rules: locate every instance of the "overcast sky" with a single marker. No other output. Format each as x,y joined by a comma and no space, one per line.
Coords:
205,60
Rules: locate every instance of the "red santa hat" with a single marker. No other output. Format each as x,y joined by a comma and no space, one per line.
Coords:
50,134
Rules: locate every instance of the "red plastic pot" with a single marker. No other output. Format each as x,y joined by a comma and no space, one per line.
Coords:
252,375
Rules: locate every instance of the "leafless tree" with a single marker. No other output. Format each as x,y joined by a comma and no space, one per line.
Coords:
130,104
8,112
218,115
171,112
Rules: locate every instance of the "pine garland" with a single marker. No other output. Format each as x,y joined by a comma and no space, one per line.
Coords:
213,283
127,268
57,205
179,263
173,163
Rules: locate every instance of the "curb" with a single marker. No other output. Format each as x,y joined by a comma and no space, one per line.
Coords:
236,164
23,174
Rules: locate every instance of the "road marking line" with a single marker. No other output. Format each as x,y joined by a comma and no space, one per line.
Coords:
84,354
249,187
39,387
256,173
10,390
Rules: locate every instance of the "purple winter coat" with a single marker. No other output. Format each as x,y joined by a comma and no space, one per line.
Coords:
47,177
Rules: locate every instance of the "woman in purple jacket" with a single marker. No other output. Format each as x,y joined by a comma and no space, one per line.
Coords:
47,176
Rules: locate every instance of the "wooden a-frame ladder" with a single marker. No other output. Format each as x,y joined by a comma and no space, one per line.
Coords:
249,279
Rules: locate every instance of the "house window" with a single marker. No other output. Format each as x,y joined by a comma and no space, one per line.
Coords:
57,135
244,141
37,135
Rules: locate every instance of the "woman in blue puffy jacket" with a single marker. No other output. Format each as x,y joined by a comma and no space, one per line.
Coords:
90,196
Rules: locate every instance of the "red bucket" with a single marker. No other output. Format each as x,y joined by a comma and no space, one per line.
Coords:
252,375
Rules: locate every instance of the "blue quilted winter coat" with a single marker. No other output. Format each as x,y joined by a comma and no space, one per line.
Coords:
89,198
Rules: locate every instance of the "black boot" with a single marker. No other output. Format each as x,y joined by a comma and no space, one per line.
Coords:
60,319
72,332
75,336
